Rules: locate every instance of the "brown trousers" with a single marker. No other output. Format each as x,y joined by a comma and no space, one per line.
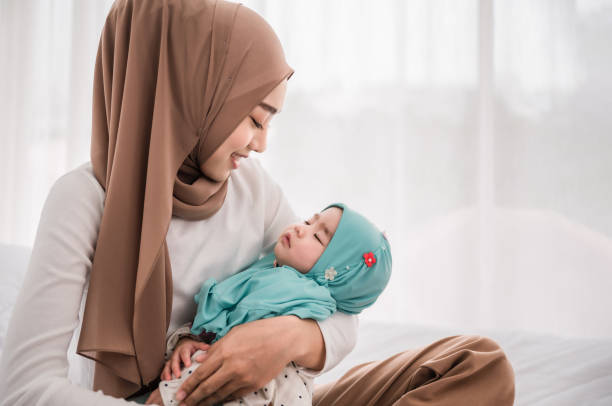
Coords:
458,370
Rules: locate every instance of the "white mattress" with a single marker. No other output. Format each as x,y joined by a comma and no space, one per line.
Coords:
549,370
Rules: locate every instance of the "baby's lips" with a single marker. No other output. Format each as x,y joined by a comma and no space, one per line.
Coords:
286,238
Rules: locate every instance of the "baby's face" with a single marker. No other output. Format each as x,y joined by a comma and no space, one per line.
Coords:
300,245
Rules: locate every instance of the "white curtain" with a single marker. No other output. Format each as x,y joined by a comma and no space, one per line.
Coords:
47,56
478,133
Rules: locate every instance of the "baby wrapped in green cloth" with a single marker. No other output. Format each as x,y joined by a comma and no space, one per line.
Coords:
338,260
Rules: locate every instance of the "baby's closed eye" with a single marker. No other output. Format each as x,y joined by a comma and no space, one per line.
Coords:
315,234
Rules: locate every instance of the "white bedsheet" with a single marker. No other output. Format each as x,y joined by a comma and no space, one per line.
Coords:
549,370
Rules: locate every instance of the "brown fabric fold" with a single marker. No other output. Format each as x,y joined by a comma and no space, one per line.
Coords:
465,370
172,80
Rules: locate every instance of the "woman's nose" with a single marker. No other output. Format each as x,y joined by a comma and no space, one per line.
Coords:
259,141
299,230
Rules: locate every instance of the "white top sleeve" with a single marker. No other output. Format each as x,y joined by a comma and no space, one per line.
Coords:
340,336
34,366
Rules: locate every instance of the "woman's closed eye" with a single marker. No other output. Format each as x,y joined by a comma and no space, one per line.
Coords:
315,235
256,123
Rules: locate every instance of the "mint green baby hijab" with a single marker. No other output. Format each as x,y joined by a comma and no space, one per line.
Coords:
349,276
356,265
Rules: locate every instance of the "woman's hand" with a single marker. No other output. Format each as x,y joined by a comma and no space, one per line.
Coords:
183,351
250,356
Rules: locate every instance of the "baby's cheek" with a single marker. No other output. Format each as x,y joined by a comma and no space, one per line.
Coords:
309,261
296,261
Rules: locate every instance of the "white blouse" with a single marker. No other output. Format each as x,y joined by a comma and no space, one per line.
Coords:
39,363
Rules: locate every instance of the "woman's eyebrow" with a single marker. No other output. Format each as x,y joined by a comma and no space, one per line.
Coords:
269,108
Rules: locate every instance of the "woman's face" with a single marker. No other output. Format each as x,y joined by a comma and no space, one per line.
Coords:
250,135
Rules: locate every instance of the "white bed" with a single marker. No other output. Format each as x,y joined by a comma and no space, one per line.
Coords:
550,370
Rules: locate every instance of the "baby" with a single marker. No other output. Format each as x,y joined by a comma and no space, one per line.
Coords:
336,261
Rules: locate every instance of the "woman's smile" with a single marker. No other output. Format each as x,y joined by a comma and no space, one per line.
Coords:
235,157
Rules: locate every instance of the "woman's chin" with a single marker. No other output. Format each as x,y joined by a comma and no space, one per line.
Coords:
227,171
216,176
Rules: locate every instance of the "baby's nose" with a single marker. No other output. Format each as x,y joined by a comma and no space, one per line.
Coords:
299,230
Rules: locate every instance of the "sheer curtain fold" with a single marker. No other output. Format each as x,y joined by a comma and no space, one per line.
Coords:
48,52
476,132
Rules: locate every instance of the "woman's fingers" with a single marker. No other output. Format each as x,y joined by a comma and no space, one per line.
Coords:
206,393
224,393
198,378
202,356
248,356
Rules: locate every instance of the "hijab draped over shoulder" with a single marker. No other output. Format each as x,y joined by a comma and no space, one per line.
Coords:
172,80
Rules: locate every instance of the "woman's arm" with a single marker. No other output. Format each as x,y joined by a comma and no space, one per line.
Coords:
310,345
242,361
252,354
339,333
34,366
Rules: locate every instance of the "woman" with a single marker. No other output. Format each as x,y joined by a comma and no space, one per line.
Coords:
184,90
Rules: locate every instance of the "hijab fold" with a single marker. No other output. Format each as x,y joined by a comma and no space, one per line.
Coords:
172,80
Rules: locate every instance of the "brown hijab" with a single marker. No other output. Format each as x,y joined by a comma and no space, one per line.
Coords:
172,79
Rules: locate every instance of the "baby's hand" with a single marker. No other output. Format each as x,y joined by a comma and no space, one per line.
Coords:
182,352
155,398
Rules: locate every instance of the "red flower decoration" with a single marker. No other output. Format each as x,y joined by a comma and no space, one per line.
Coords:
369,259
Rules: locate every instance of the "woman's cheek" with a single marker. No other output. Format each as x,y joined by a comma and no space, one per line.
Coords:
247,134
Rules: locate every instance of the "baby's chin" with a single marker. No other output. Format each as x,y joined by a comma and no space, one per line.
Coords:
276,250
280,260
278,255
